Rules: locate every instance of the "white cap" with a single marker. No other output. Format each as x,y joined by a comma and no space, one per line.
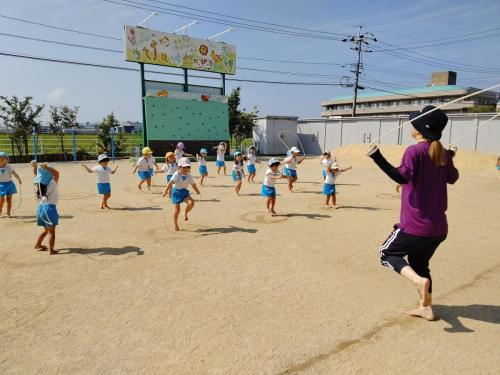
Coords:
272,161
183,162
295,149
334,166
102,157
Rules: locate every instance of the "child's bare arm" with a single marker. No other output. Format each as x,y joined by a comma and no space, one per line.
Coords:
168,188
33,167
17,177
157,167
52,171
114,170
196,188
135,169
87,168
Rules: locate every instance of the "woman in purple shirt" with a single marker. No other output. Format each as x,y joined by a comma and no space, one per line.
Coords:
424,173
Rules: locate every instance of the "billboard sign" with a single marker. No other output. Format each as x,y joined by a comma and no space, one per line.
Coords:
178,51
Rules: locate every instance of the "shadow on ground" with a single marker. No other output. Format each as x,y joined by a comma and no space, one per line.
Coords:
310,216
366,208
102,250
451,315
137,209
223,230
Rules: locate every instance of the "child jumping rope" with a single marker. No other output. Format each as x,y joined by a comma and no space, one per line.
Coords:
178,186
202,169
170,166
251,161
426,169
179,151
329,189
237,172
290,169
220,163
7,186
47,215
145,166
103,178
268,189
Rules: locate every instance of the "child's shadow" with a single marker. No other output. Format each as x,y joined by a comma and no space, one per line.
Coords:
230,229
310,216
21,217
136,208
103,250
451,315
215,200
363,208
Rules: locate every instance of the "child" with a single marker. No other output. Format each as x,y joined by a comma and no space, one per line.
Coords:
251,160
170,166
290,170
220,163
179,151
425,171
41,181
237,173
268,189
47,215
329,189
178,187
325,161
202,159
145,165
498,163
103,178
7,186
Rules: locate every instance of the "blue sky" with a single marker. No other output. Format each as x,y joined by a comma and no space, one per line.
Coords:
100,91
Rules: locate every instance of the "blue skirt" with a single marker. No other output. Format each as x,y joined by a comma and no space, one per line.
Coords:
219,163
203,170
47,216
7,188
104,188
268,191
498,167
145,175
289,172
169,177
328,189
179,195
236,176
251,168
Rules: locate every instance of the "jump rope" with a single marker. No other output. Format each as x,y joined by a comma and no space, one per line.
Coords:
43,206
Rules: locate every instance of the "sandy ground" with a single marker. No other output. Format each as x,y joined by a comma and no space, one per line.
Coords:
239,292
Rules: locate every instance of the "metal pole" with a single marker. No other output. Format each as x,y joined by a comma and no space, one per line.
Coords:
477,133
12,146
358,65
74,144
223,89
143,95
186,83
35,146
113,144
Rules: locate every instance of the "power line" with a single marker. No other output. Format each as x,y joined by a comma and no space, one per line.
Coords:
93,65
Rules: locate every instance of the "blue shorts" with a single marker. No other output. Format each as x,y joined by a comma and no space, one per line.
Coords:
328,189
268,191
144,175
169,177
47,216
290,172
220,163
104,188
251,168
236,176
498,168
179,195
203,170
324,173
7,188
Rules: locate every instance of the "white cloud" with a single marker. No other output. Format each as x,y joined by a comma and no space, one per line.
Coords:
56,94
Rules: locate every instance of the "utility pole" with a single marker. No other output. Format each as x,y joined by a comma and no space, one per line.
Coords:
359,41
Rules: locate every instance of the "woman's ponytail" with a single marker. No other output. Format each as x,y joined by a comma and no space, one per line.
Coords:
437,154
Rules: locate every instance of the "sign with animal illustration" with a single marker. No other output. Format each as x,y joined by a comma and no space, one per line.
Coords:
179,51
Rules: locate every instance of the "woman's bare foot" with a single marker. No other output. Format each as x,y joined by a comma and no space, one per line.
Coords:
424,312
53,252
423,290
40,248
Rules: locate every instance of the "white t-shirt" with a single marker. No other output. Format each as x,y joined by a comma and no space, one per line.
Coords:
251,159
202,160
220,153
6,173
326,163
330,176
182,181
146,164
291,162
238,168
170,168
102,174
268,181
52,192
179,153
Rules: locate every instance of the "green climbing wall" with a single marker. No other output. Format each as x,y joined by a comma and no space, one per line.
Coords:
178,119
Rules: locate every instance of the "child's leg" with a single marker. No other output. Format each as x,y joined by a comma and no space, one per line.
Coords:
140,184
149,183
177,210
103,202
327,200
290,183
2,200
52,240
38,246
9,204
224,170
202,178
268,203
105,199
238,187
273,202
218,170
190,204
249,179
334,200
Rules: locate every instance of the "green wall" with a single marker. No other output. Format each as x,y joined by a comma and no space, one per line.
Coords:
177,119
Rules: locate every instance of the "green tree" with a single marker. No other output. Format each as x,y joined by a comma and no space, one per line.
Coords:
21,117
489,108
234,114
104,135
61,119
245,125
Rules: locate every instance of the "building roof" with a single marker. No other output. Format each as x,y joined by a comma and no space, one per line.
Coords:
410,91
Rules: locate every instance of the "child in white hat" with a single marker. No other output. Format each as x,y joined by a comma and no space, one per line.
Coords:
237,173
329,189
290,170
103,178
7,186
178,186
268,189
220,162
202,169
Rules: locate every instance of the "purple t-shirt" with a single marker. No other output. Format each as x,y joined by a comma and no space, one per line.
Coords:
424,198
